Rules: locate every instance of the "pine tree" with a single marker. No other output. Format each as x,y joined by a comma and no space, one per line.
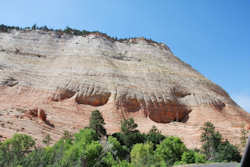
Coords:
97,123
154,136
128,126
210,139
215,147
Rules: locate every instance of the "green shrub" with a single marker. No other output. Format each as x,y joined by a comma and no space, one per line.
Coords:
92,153
129,134
67,30
118,151
188,157
86,136
171,149
227,152
108,160
199,158
179,163
84,32
14,150
123,163
191,156
154,136
34,27
3,28
72,31
142,155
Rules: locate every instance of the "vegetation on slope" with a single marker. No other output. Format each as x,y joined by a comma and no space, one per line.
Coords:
92,147
72,31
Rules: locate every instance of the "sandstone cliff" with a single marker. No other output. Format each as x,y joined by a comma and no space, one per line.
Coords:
68,76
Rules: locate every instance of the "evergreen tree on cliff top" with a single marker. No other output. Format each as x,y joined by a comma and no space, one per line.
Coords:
97,123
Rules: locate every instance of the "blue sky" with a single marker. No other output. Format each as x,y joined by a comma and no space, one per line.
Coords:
211,35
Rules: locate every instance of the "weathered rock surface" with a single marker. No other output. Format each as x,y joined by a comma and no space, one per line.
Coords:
69,76
37,112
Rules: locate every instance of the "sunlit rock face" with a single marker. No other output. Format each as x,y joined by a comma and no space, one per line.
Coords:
130,78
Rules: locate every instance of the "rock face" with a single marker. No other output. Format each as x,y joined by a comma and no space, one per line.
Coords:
69,76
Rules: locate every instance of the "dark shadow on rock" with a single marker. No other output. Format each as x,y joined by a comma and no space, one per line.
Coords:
47,122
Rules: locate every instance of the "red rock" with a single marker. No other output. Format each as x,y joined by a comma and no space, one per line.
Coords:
37,112
42,115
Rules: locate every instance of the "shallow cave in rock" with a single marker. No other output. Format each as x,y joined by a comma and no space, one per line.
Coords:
93,100
170,112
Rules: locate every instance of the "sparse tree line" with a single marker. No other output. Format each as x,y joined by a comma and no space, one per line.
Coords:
67,30
70,31
93,147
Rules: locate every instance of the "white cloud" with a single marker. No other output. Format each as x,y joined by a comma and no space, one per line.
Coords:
243,100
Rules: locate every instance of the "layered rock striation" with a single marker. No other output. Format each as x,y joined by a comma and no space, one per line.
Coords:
129,78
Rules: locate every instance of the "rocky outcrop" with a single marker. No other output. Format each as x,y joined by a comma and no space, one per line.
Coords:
74,75
37,112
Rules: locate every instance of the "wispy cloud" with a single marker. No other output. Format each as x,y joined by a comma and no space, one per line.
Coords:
243,100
